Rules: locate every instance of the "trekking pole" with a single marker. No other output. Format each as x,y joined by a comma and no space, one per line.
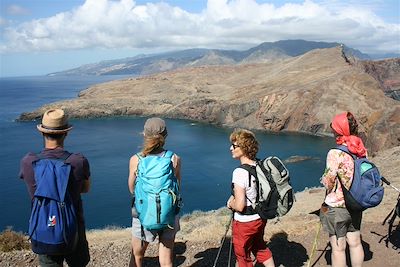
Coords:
314,247
223,240
388,183
230,252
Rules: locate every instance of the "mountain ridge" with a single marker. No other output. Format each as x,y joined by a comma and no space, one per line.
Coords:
154,63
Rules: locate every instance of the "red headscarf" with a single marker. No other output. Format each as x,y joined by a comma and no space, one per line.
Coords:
340,125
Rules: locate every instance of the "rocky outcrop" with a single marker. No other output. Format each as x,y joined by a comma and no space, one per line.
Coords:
387,73
299,94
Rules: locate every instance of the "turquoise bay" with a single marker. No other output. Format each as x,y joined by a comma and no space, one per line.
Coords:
108,143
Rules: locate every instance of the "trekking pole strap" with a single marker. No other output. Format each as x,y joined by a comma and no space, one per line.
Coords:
36,223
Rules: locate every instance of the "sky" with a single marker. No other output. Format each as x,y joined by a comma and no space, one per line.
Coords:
43,36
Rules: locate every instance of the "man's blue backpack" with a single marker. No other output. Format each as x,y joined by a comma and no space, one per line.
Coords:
156,192
366,190
53,226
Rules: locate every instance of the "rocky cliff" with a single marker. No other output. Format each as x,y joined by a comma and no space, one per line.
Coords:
299,94
387,73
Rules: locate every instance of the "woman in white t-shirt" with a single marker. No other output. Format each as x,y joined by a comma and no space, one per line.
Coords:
247,226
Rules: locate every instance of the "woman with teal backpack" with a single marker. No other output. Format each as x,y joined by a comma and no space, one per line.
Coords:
154,179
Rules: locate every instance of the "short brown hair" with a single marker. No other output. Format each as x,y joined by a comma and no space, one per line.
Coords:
353,125
247,142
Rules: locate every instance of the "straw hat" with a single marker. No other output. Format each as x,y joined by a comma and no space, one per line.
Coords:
54,121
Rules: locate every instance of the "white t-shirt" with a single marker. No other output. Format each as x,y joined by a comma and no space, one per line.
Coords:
240,177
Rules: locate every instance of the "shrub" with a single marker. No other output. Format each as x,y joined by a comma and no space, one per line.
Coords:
11,240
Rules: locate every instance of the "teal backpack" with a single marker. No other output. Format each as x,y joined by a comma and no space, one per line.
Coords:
156,192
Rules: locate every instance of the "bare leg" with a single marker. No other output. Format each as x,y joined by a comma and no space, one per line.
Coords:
137,252
356,249
166,251
338,251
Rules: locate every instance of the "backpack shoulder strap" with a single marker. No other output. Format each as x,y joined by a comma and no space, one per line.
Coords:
354,157
168,154
65,156
346,150
251,170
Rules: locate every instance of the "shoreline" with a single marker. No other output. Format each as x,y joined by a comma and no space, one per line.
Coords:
189,120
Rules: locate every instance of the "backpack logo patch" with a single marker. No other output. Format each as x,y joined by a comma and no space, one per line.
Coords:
366,190
52,221
157,198
53,226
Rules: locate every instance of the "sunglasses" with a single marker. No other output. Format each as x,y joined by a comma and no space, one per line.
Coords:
234,146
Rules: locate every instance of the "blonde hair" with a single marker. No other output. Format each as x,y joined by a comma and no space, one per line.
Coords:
247,142
152,143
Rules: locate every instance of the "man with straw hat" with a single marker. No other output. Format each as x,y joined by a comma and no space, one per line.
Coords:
54,128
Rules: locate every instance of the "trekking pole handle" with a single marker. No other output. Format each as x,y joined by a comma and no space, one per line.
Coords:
385,181
388,183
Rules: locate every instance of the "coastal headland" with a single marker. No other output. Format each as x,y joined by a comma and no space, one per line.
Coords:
299,94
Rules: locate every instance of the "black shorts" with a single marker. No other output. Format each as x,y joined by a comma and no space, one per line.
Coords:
78,258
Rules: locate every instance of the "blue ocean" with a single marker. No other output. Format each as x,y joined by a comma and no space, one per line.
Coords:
108,143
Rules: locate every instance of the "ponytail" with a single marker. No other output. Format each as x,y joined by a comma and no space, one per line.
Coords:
152,143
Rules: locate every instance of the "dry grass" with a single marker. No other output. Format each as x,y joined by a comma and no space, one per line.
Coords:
11,240
204,226
211,226
108,234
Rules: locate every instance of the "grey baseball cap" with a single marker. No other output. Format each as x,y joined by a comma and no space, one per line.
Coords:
154,126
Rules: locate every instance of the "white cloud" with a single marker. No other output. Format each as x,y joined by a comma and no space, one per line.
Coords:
231,24
17,10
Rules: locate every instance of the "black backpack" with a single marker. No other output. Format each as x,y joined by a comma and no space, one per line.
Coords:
274,192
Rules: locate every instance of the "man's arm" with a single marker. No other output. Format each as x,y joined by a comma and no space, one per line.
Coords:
85,186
